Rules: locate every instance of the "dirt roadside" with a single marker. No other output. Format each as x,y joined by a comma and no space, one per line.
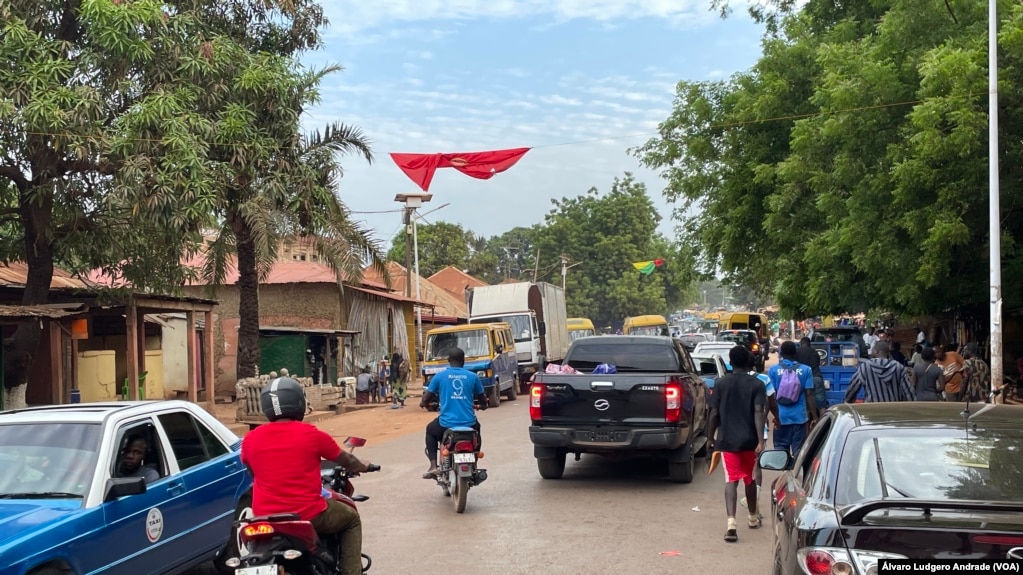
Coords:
376,424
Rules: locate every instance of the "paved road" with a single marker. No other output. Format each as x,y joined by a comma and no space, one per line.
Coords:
601,518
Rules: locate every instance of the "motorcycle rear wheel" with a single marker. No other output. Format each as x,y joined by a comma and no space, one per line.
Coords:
461,494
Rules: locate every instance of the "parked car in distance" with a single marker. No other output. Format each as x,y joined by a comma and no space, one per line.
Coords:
751,341
916,480
711,367
66,506
691,340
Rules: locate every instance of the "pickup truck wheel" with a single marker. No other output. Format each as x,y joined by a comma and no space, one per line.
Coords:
513,391
495,396
551,468
682,471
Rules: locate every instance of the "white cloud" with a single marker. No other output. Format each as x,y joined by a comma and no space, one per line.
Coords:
579,139
559,100
356,15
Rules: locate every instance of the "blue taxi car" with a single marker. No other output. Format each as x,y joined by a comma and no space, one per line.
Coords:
66,506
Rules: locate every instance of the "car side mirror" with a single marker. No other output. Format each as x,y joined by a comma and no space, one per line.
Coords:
708,369
775,460
121,486
543,328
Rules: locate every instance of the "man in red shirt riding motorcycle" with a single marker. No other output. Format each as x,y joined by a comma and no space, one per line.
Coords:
284,457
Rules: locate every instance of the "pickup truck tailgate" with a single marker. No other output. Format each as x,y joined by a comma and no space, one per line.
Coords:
585,399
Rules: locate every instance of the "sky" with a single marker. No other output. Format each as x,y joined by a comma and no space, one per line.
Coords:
579,81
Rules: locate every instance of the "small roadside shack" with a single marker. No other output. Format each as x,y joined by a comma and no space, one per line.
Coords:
74,316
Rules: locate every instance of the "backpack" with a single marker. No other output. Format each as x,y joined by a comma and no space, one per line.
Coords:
789,388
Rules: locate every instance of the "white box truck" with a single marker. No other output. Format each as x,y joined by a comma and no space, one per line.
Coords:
537,314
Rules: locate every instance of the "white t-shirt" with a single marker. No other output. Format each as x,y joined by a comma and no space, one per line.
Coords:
920,338
870,339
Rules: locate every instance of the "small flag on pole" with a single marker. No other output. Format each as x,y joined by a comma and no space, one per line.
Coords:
647,268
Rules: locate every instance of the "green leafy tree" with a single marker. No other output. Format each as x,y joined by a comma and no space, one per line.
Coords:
89,89
847,169
441,244
513,253
605,234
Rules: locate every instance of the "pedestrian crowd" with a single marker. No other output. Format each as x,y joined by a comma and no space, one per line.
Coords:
793,393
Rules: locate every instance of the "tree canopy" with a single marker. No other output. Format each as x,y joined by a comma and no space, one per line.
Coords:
847,169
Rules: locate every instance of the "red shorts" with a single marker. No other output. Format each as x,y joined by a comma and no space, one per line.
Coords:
739,466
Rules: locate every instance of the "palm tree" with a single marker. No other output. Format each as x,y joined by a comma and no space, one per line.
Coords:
300,201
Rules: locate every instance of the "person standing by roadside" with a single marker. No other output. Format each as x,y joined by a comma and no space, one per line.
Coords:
793,392
952,363
807,355
870,339
882,378
363,385
737,412
977,374
928,379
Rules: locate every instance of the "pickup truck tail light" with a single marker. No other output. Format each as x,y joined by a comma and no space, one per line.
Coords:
535,399
673,401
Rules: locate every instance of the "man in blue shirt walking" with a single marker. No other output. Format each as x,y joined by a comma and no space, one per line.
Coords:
790,430
455,388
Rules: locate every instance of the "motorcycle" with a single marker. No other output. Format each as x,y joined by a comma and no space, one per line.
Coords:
457,464
283,544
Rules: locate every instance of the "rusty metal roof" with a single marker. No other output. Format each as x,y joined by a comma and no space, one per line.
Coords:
443,302
454,281
283,272
49,311
16,274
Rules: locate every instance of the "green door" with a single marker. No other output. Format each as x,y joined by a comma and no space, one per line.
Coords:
284,350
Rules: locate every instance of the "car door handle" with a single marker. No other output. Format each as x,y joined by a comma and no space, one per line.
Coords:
176,487
602,385
232,465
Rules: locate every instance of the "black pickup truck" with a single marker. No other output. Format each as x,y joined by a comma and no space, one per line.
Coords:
655,405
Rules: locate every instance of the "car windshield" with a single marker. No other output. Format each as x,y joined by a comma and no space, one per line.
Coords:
577,333
631,357
51,460
475,343
648,330
934,463
739,337
520,326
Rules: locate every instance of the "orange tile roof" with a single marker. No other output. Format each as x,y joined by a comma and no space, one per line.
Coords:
16,274
454,281
443,302
283,272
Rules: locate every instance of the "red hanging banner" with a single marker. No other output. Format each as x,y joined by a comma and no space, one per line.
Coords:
480,165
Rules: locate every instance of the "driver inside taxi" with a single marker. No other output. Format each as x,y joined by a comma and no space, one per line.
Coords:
133,463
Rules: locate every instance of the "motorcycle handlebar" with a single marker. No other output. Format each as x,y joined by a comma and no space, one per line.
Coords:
373,467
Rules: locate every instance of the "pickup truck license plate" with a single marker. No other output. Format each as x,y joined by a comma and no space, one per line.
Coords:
260,570
465,458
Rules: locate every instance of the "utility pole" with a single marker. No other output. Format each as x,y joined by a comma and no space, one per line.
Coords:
994,209
564,271
408,252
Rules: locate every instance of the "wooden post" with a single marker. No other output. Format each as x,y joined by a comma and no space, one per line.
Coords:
193,376
132,357
208,365
56,363
140,324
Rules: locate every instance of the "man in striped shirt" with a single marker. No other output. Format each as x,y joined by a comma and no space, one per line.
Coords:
882,378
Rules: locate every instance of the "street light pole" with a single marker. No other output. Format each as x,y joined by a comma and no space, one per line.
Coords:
412,202
994,216
419,295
